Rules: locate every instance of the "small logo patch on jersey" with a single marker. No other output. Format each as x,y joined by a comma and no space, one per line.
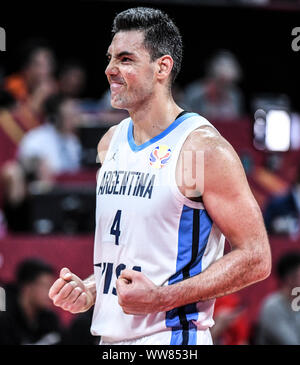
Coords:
160,156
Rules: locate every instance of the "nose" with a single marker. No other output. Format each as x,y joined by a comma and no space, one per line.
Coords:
111,69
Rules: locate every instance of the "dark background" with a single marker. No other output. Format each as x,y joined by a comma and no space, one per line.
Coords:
259,36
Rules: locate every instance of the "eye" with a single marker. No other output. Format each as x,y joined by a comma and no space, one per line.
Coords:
125,59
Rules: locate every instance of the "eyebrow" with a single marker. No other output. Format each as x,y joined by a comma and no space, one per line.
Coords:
121,54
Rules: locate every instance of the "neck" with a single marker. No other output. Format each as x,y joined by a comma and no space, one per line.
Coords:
153,117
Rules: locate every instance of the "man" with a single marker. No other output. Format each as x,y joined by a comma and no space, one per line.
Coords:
28,318
31,85
63,151
279,320
36,70
158,243
37,164
217,95
282,212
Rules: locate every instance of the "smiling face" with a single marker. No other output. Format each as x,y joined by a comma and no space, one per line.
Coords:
130,72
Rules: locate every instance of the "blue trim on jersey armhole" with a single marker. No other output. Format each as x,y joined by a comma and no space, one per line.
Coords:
188,313
136,148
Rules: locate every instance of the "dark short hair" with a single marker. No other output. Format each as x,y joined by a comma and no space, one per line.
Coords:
161,35
30,47
287,264
30,269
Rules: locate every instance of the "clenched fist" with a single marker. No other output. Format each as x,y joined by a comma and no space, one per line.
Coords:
137,294
71,293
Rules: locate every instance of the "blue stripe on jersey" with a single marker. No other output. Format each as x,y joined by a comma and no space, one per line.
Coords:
173,125
194,229
205,229
180,336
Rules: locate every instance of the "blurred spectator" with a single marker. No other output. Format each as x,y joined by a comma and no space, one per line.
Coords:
10,135
28,318
282,212
231,324
53,147
44,152
71,79
217,96
279,322
10,131
37,65
33,84
79,332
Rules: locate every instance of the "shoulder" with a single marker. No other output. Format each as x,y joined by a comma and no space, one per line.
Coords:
209,141
40,131
106,138
104,142
274,302
36,137
219,162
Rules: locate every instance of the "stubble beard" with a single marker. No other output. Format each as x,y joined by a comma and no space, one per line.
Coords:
137,99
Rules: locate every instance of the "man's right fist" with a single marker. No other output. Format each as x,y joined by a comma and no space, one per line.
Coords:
70,293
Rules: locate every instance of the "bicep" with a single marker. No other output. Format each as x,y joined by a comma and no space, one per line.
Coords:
229,200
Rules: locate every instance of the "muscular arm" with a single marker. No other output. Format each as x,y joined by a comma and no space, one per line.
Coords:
231,205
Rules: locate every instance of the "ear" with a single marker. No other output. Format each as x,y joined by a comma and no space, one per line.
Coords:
164,67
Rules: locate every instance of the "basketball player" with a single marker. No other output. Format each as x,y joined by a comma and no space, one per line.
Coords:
159,239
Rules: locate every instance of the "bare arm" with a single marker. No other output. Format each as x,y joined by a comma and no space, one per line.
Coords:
231,205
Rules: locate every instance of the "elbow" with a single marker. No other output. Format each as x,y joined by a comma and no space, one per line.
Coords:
263,266
265,271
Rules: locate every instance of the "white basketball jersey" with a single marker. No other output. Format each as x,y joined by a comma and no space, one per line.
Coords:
144,223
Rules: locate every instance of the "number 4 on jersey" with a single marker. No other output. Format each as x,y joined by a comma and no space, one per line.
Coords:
115,228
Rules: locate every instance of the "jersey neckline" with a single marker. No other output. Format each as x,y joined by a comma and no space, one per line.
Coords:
173,125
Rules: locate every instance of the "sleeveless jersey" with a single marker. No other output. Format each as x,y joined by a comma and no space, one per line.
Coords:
144,223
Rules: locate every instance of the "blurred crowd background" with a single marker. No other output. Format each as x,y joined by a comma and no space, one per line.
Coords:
240,72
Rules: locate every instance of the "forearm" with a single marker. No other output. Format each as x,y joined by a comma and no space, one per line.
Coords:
229,274
90,284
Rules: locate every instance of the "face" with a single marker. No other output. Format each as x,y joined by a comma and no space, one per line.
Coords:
39,290
41,66
130,71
